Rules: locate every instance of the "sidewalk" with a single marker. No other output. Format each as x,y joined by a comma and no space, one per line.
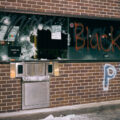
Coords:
66,110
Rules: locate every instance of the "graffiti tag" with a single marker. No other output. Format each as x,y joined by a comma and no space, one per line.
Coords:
109,73
96,39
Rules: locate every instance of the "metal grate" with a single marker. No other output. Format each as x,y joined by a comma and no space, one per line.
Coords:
35,95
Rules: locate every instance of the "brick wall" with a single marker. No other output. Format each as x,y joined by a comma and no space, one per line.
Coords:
10,90
80,83
100,8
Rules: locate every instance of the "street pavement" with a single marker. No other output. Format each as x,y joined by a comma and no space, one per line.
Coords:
109,110
101,114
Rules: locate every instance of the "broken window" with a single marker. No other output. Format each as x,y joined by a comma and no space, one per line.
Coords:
29,37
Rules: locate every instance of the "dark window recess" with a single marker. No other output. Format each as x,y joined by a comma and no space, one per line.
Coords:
50,48
50,69
14,51
20,69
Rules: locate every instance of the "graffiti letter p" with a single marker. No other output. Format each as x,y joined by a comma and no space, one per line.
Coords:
109,73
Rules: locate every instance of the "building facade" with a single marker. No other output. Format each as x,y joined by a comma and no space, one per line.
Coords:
82,68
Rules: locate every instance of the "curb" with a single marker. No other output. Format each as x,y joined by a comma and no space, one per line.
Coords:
65,110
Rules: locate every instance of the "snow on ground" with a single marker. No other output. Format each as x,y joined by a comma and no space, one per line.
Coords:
69,117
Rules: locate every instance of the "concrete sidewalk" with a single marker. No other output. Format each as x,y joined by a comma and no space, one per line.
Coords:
66,110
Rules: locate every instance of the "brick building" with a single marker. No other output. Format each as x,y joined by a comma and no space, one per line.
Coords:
74,80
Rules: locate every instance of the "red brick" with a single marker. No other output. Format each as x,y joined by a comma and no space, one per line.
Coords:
87,77
31,2
6,4
26,5
11,0
22,1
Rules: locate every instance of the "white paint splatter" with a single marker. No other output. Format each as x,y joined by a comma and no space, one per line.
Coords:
35,31
6,20
40,27
4,57
28,50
